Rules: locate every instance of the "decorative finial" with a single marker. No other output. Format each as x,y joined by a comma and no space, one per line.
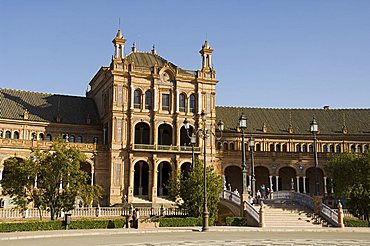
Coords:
133,48
154,50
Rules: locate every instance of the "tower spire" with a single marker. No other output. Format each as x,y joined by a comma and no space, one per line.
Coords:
206,53
119,43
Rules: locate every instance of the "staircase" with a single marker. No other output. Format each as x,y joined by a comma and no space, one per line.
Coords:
285,213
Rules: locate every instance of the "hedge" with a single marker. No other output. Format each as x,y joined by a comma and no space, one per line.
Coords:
183,221
59,225
355,222
236,221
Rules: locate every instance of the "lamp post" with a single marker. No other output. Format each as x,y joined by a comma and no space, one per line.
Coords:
204,133
251,146
314,128
243,126
193,140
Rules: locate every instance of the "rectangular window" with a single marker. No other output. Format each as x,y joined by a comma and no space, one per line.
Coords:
119,130
119,98
165,101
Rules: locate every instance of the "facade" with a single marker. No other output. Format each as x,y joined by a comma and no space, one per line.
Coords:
131,127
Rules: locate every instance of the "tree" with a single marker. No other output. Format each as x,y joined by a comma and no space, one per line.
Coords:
191,191
59,179
351,179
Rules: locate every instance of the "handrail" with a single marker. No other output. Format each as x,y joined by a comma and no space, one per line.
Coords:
329,214
164,148
297,197
231,196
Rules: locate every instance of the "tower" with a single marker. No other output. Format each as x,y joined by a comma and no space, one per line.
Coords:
206,53
119,44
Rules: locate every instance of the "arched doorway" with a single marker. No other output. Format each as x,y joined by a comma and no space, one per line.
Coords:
141,178
287,178
163,179
142,133
184,138
233,178
262,177
310,180
164,134
185,169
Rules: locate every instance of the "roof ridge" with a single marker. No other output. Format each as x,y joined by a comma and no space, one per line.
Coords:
331,109
43,93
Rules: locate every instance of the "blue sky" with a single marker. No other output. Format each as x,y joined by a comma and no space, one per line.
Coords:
285,54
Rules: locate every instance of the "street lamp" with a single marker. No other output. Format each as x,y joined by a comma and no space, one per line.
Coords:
314,128
251,146
193,140
204,133
243,126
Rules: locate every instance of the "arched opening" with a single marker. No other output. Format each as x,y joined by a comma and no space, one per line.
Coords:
16,135
337,148
164,134
258,147
272,147
304,148
185,169
8,134
331,148
41,136
148,100
219,145
325,148
298,148
184,138
232,146
233,178
79,139
353,148
49,137
193,104
72,139
86,167
226,146
285,149
142,133
262,177
310,148
278,148
141,178
310,180
33,136
163,179
137,99
182,98
287,178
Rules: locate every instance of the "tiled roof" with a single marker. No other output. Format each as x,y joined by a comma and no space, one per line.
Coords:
46,107
146,59
331,121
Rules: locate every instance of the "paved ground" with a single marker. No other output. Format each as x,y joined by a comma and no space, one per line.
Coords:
190,236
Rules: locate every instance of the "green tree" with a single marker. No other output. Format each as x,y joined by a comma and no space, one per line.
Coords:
59,179
351,179
191,191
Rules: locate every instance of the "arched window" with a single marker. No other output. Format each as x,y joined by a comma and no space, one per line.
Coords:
258,147
304,148
33,136
49,137
338,149
325,148
272,147
41,136
353,148
16,135
182,102
278,148
226,147
310,148
79,139
137,99
193,105
148,100
331,148
359,148
65,138
142,133
95,140
298,148
72,138
232,146
8,134
366,148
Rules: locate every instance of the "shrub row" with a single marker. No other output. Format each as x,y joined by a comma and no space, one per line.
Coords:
59,225
182,221
236,221
355,222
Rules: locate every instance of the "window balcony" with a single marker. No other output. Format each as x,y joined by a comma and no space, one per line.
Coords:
165,148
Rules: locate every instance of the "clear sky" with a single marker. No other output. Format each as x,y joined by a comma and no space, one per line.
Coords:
285,54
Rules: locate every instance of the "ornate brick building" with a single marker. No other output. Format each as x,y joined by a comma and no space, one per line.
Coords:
131,127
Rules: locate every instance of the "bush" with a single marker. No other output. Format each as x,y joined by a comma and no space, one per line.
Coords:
59,225
236,221
181,222
355,222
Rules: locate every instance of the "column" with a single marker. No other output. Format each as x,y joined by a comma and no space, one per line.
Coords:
304,184
177,100
1,175
270,182
132,97
297,183
250,180
199,102
154,99
130,195
277,182
154,187
325,189
92,177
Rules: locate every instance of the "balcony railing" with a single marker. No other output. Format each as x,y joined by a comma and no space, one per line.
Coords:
165,148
